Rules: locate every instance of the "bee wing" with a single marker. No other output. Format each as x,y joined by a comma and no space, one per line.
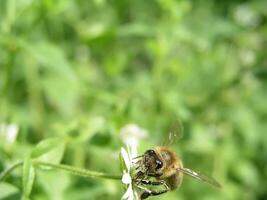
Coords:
200,176
175,133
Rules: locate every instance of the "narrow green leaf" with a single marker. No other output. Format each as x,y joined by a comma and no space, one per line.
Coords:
44,147
55,155
7,190
49,150
28,175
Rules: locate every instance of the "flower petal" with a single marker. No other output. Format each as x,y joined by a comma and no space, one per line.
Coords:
132,133
126,159
126,178
129,194
132,149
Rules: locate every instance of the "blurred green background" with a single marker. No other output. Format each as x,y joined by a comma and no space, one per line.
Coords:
82,70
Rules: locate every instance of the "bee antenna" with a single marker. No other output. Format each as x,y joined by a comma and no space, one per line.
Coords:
137,157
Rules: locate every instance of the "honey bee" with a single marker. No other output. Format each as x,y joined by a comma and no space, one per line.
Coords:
160,166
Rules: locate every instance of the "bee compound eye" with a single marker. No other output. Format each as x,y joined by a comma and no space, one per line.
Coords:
159,164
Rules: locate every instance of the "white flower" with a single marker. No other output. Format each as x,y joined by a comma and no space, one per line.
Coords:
130,194
246,16
9,131
131,135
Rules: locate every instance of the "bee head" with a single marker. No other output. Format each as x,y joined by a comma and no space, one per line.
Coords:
152,162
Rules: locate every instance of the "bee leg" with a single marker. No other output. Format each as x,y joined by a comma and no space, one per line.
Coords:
148,182
139,175
149,193
160,182
137,166
158,174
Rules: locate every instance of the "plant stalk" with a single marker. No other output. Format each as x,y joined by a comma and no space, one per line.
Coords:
9,170
79,171
70,169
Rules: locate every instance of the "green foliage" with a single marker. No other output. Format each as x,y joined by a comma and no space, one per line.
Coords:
8,191
78,71
49,150
28,176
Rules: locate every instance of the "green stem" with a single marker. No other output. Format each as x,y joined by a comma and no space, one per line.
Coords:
79,171
9,170
72,170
